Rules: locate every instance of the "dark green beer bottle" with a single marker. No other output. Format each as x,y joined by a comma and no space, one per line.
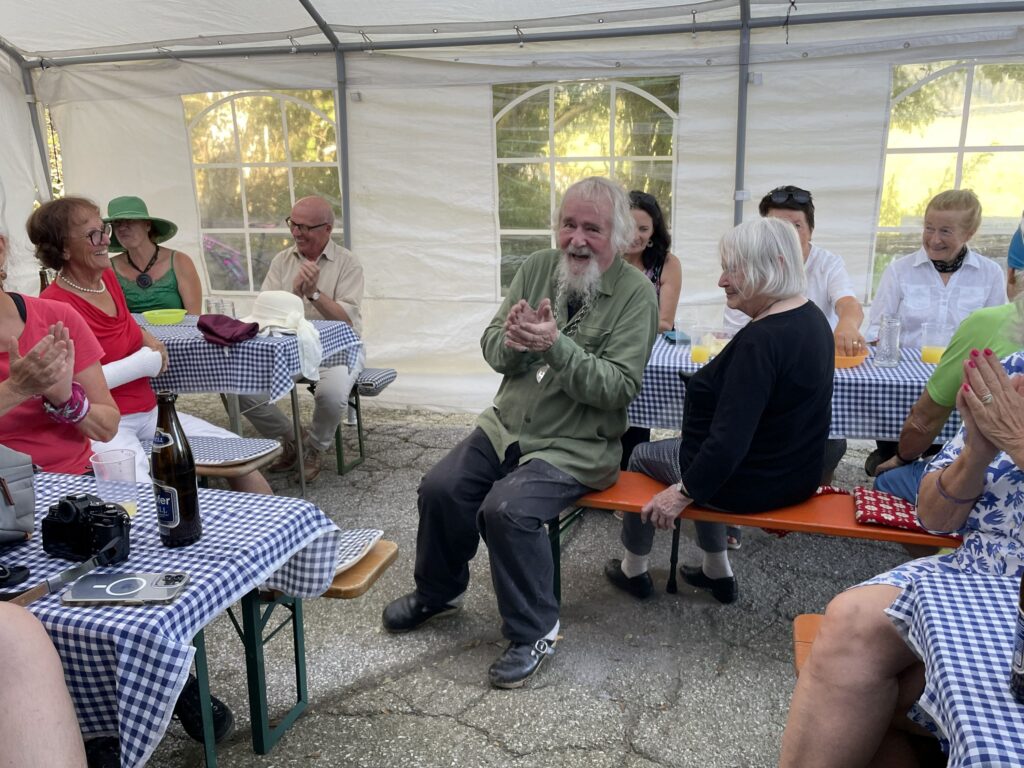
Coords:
174,478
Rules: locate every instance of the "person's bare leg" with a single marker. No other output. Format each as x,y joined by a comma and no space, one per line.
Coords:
849,690
38,727
254,482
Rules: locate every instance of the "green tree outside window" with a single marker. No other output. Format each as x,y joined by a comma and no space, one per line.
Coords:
253,155
550,135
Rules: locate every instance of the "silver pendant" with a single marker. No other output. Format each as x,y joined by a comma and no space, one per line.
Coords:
541,371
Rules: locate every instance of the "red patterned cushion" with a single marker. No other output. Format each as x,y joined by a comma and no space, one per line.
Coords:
881,508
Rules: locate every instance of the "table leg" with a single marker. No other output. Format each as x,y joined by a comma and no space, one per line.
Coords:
234,412
299,448
203,679
264,737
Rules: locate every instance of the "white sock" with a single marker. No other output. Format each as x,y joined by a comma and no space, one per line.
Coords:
553,634
634,565
716,565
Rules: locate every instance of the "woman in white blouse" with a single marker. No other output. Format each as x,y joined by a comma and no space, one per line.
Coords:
945,280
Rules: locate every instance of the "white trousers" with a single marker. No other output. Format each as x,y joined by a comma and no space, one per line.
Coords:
329,405
136,427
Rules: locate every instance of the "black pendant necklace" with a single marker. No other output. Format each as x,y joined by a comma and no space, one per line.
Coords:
143,280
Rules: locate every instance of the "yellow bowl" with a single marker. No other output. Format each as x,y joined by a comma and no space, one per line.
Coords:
164,316
852,361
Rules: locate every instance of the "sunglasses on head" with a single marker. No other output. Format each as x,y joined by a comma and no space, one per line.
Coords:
797,195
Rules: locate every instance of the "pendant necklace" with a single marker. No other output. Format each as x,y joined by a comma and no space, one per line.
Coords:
570,327
101,289
143,280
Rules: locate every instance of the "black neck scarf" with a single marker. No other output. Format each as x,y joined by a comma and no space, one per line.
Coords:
953,264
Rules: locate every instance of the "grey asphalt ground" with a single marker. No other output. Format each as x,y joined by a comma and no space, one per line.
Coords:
678,680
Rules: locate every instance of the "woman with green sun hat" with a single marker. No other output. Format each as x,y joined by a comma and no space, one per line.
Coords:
151,275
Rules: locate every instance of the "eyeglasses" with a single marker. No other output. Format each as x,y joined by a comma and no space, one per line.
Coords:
95,236
797,195
304,228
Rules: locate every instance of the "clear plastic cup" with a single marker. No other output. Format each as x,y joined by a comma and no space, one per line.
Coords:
934,339
115,478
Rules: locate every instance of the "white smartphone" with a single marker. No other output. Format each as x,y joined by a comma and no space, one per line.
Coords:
126,588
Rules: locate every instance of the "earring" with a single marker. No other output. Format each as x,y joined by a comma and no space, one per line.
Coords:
649,244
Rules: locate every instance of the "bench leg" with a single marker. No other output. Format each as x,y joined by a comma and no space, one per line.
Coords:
254,623
673,561
205,707
339,445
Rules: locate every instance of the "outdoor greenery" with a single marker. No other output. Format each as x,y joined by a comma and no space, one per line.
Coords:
953,125
550,135
253,155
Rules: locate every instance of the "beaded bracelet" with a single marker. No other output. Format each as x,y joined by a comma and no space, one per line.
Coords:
72,411
947,496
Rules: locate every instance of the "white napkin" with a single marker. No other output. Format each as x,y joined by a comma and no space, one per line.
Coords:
311,351
145,362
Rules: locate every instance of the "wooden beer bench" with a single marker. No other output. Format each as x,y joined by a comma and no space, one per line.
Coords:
805,629
829,514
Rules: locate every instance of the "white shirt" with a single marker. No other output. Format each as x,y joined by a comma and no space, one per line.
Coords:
912,289
827,283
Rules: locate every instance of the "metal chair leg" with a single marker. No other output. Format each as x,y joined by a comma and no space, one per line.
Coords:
339,444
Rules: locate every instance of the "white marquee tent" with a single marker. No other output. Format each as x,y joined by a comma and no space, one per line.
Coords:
770,92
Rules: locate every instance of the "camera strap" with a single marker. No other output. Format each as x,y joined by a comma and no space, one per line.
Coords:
59,580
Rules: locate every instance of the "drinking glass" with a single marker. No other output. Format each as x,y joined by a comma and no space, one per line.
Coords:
934,339
216,306
115,478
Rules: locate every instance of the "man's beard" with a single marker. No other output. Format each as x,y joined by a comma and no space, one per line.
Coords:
579,288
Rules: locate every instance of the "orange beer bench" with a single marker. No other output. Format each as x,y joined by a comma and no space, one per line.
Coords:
830,515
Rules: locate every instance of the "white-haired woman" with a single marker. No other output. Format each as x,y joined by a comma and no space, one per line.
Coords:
755,419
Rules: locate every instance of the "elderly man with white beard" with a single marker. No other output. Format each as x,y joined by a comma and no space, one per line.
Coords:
571,341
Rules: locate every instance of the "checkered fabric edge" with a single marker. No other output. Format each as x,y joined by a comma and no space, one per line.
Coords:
373,381
355,543
223,451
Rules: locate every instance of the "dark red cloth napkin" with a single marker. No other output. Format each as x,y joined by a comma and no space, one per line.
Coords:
224,330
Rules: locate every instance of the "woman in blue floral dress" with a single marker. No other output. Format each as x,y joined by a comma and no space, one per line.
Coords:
850,703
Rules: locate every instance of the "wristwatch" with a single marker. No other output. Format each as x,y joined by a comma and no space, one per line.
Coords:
315,297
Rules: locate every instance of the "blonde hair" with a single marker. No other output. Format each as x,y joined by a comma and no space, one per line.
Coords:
767,253
959,200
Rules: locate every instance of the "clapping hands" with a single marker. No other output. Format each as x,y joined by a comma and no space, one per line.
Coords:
530,330
47,368
992,405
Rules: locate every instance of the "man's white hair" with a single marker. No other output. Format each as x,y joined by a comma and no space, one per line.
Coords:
600,189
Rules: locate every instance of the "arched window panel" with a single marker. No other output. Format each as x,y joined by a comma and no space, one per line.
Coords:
253,155
550,135
952,125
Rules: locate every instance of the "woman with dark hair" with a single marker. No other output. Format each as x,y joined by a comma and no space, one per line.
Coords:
649,253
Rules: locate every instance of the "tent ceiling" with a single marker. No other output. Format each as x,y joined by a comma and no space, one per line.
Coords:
56,29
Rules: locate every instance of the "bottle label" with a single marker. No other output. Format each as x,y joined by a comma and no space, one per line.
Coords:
168,514
1018,644
162,440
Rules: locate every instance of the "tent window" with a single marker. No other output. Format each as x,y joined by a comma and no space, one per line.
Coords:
253,155
952,125
550,135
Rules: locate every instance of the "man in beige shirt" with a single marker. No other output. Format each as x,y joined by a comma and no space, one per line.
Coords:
329,279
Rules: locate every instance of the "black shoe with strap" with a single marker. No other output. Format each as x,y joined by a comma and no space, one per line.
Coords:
519,662
189,712
724,590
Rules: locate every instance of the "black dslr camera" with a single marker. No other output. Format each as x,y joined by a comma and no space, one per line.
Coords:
80,525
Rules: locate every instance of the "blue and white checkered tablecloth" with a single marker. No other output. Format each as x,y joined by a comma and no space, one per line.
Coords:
867,402
126,665
962,628
262,364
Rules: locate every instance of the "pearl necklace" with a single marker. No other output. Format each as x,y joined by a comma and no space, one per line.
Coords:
101,289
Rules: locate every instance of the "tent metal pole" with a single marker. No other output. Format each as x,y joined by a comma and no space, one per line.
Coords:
33,110
740,193
320,22
544,37
342,110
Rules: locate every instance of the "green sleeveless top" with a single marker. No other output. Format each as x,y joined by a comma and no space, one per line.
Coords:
162,294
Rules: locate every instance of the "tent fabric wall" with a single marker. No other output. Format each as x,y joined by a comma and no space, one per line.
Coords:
423,186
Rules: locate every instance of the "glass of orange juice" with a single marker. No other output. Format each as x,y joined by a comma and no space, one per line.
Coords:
700,344
934,338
